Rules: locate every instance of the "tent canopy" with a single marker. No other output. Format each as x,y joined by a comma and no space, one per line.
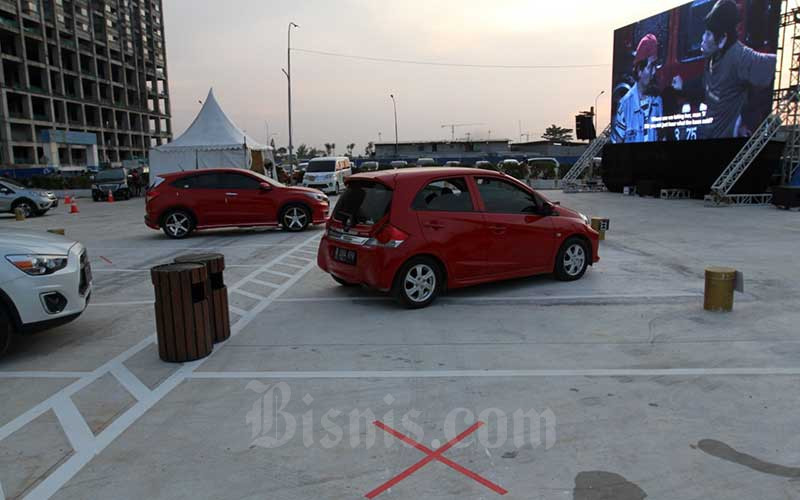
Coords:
211,141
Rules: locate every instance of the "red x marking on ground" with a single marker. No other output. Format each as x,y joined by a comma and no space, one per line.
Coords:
431,456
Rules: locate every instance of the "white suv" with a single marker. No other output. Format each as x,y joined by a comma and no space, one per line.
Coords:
328,174
45,281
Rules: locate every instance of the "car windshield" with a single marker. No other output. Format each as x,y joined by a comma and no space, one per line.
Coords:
321,166
363,202
110,175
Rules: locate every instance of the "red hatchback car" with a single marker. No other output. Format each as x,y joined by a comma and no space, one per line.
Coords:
181,202
420,231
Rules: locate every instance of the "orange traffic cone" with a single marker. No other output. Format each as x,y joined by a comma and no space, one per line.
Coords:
110,196
68,200
73,209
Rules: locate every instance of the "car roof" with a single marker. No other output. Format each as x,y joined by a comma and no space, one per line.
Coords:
328,158
204,171
392,177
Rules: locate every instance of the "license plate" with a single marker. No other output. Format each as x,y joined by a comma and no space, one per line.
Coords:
344,255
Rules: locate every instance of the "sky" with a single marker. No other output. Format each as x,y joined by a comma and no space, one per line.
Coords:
238,47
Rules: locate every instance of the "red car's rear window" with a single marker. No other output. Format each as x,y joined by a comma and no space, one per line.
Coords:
363,202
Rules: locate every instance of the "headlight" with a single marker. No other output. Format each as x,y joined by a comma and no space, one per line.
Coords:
38,265
317,196
585,219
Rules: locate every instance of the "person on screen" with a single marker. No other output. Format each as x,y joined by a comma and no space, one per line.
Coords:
732,70
640,105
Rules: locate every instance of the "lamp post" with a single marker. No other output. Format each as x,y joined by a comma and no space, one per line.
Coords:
595,111
394,104
288,73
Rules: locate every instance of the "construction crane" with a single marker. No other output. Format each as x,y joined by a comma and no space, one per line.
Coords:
453,126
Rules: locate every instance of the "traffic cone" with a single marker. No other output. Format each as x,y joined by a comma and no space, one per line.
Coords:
110,196
73,209
68,200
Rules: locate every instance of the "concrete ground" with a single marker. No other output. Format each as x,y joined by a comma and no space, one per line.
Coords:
618,386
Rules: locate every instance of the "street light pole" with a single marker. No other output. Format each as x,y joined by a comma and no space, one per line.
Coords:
288,73
394,104
595,111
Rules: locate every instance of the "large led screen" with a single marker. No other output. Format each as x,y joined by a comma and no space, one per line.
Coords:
704,70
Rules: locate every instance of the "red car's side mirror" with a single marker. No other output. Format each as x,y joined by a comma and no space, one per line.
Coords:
265,186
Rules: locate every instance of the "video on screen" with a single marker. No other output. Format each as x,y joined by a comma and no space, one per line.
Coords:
704,70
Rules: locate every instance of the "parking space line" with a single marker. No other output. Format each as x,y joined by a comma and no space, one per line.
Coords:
264,283
535,299
94,270
236,310
278,273
246,293
130,382
621,372
74,425
291,265
66,471
119,304
44,374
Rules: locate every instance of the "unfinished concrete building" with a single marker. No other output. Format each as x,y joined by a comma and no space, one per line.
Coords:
84,82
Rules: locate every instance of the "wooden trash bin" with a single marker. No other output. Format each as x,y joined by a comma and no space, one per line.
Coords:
216,290
182,312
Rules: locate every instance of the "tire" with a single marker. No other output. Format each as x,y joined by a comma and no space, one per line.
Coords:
342,282
178,224
6,331
295,218
572,260
418,283
27,206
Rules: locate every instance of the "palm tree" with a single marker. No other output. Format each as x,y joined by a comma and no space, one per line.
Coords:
329,147
350,148
302,151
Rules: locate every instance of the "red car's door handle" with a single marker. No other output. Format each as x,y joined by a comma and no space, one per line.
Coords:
498,229
434,225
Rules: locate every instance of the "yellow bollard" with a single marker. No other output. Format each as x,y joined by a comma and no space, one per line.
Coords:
601,225
56,231
19,214
720,282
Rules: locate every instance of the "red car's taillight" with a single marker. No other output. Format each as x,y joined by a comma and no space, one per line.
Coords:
150,196
388,236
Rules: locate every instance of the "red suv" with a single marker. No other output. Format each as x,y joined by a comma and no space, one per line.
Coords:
417,232
181,202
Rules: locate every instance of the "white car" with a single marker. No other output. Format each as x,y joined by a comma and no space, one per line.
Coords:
328,173
45,281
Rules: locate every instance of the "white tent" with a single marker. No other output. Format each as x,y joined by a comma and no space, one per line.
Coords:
211,141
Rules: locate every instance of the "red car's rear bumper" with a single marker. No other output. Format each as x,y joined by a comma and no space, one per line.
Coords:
375,266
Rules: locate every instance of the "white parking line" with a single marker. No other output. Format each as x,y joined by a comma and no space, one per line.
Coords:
130,382
291,265
75,427
236,310
121,304
263,283
246,293
44,374
278,273
535,299
622,372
